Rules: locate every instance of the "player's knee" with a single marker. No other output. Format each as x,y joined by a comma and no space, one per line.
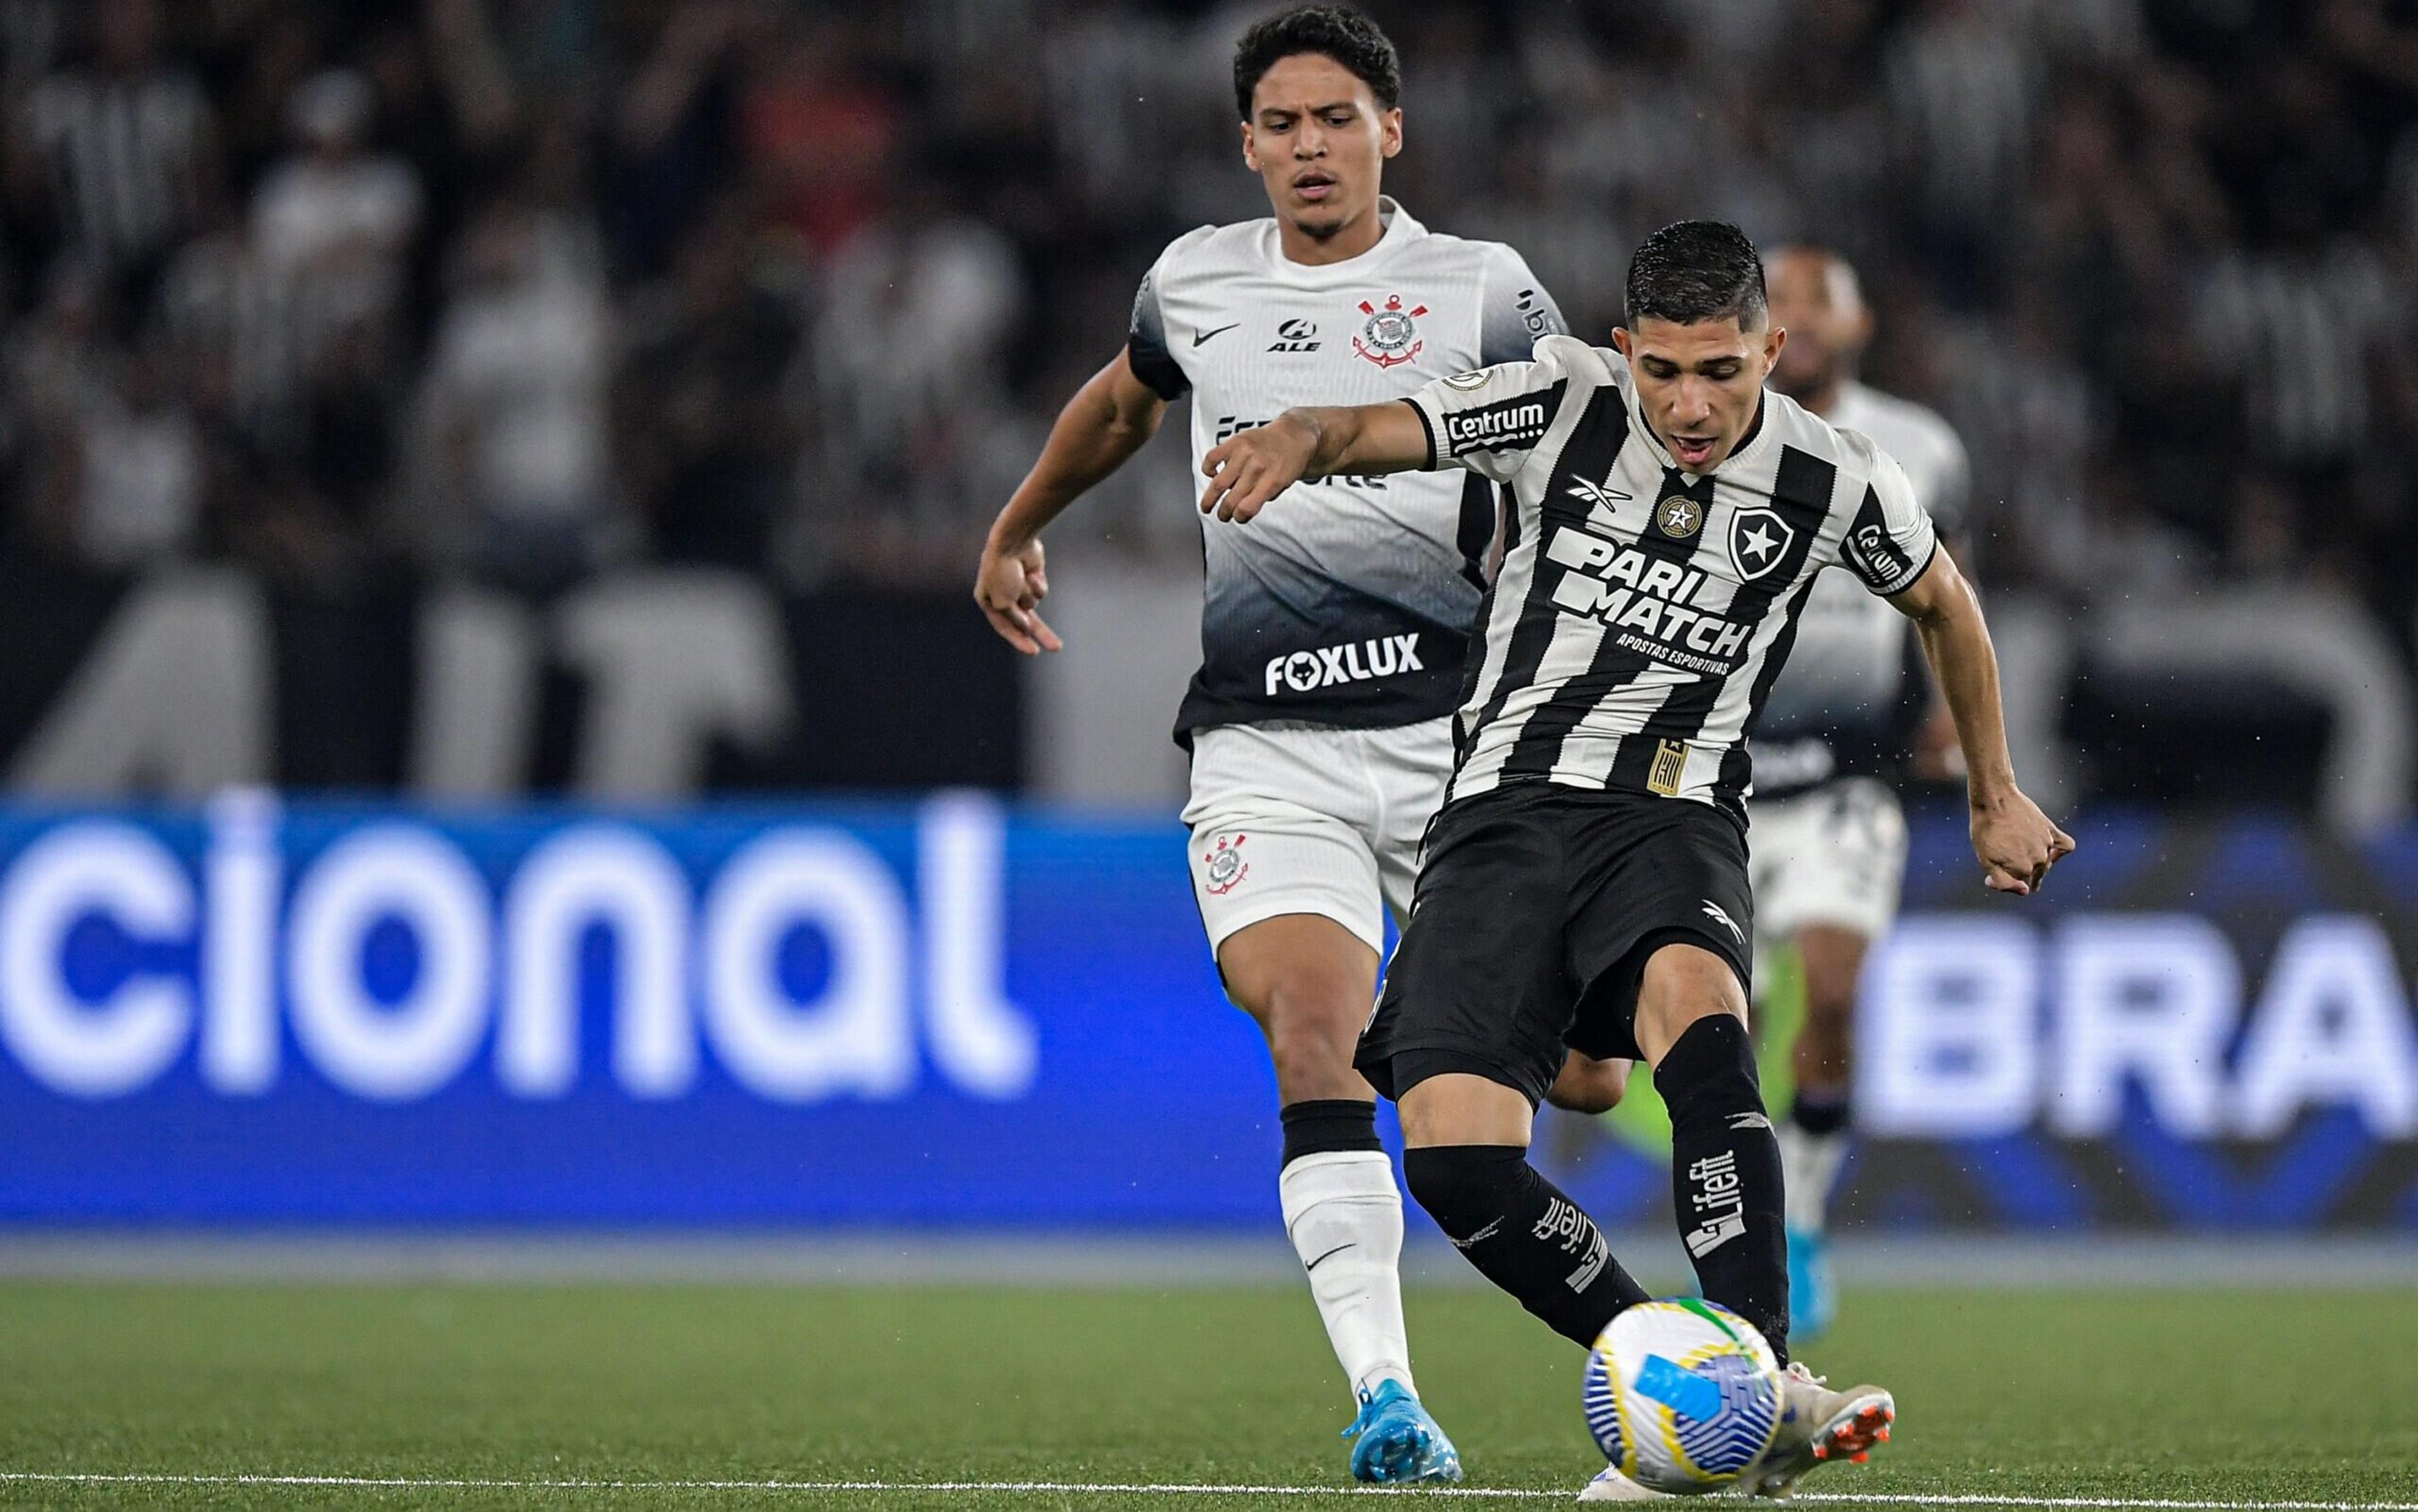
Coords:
1588,1084
1464,1187
1310,1034
1682,985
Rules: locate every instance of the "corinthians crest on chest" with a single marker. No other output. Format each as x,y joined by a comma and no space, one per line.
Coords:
1390,336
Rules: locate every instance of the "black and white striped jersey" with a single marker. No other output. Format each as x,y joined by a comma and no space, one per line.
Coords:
1642,616
1349,602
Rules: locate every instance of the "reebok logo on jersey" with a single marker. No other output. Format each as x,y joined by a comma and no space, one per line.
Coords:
1649,599
1505,426
1358,661
1720,916
1600,496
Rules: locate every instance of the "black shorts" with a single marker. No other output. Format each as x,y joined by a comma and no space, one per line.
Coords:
1536,908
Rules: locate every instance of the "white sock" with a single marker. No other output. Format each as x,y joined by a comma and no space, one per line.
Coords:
1344,1215
1809,1169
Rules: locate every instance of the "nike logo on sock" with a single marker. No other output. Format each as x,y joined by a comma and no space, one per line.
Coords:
1749,1121
1200,336
1323,1258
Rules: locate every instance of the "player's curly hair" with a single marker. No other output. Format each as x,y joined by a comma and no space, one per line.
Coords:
1693,270
1337,32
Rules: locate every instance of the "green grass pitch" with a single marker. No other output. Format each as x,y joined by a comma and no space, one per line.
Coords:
2233,1396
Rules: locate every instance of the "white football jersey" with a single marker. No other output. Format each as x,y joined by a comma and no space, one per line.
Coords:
1851,696
1348,601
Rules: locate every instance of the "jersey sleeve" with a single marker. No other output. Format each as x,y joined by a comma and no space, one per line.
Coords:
1146,349
1892,540
1515,310
1952,501
1487,421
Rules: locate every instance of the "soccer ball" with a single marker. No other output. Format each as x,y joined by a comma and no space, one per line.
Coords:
1681,1395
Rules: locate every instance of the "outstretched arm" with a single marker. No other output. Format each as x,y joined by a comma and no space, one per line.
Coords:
1253,466
1106,421
2013,840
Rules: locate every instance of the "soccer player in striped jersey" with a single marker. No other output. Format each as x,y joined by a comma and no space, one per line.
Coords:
1332,634
1584,886
1830,834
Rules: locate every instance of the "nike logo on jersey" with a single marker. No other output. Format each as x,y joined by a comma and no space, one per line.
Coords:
1200,336
1720,916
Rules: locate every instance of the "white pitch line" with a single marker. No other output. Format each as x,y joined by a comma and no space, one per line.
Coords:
1053,1488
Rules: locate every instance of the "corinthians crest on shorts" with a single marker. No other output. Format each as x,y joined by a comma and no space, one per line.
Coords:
1226,865
1391,335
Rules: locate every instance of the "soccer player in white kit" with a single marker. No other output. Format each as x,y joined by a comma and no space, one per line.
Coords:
1830,839
1333,633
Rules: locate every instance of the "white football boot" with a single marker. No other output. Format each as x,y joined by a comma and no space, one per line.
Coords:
1818,1426
1611,1485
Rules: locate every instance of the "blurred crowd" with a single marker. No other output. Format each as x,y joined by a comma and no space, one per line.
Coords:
345,289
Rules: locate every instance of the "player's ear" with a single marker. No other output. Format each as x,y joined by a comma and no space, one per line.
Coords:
1773,339
1389,132
1620,342
1250,149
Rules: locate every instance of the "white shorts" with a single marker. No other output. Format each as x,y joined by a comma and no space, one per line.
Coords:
1835,855
1305,819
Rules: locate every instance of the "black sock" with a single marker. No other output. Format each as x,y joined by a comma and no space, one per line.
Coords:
1522,1234
1820,1112
1319,1125
1726,1173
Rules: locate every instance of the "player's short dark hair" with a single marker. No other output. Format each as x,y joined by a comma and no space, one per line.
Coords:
1337,32
1696,270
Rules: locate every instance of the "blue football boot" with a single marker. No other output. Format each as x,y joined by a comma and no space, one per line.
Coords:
1813,1291
1400,1444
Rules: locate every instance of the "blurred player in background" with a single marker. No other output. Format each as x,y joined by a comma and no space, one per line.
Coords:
1830,838
1333,633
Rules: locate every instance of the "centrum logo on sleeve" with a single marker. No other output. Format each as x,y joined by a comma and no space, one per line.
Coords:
1381,656
1520,421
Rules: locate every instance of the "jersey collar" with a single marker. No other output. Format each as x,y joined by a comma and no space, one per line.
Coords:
1400,227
